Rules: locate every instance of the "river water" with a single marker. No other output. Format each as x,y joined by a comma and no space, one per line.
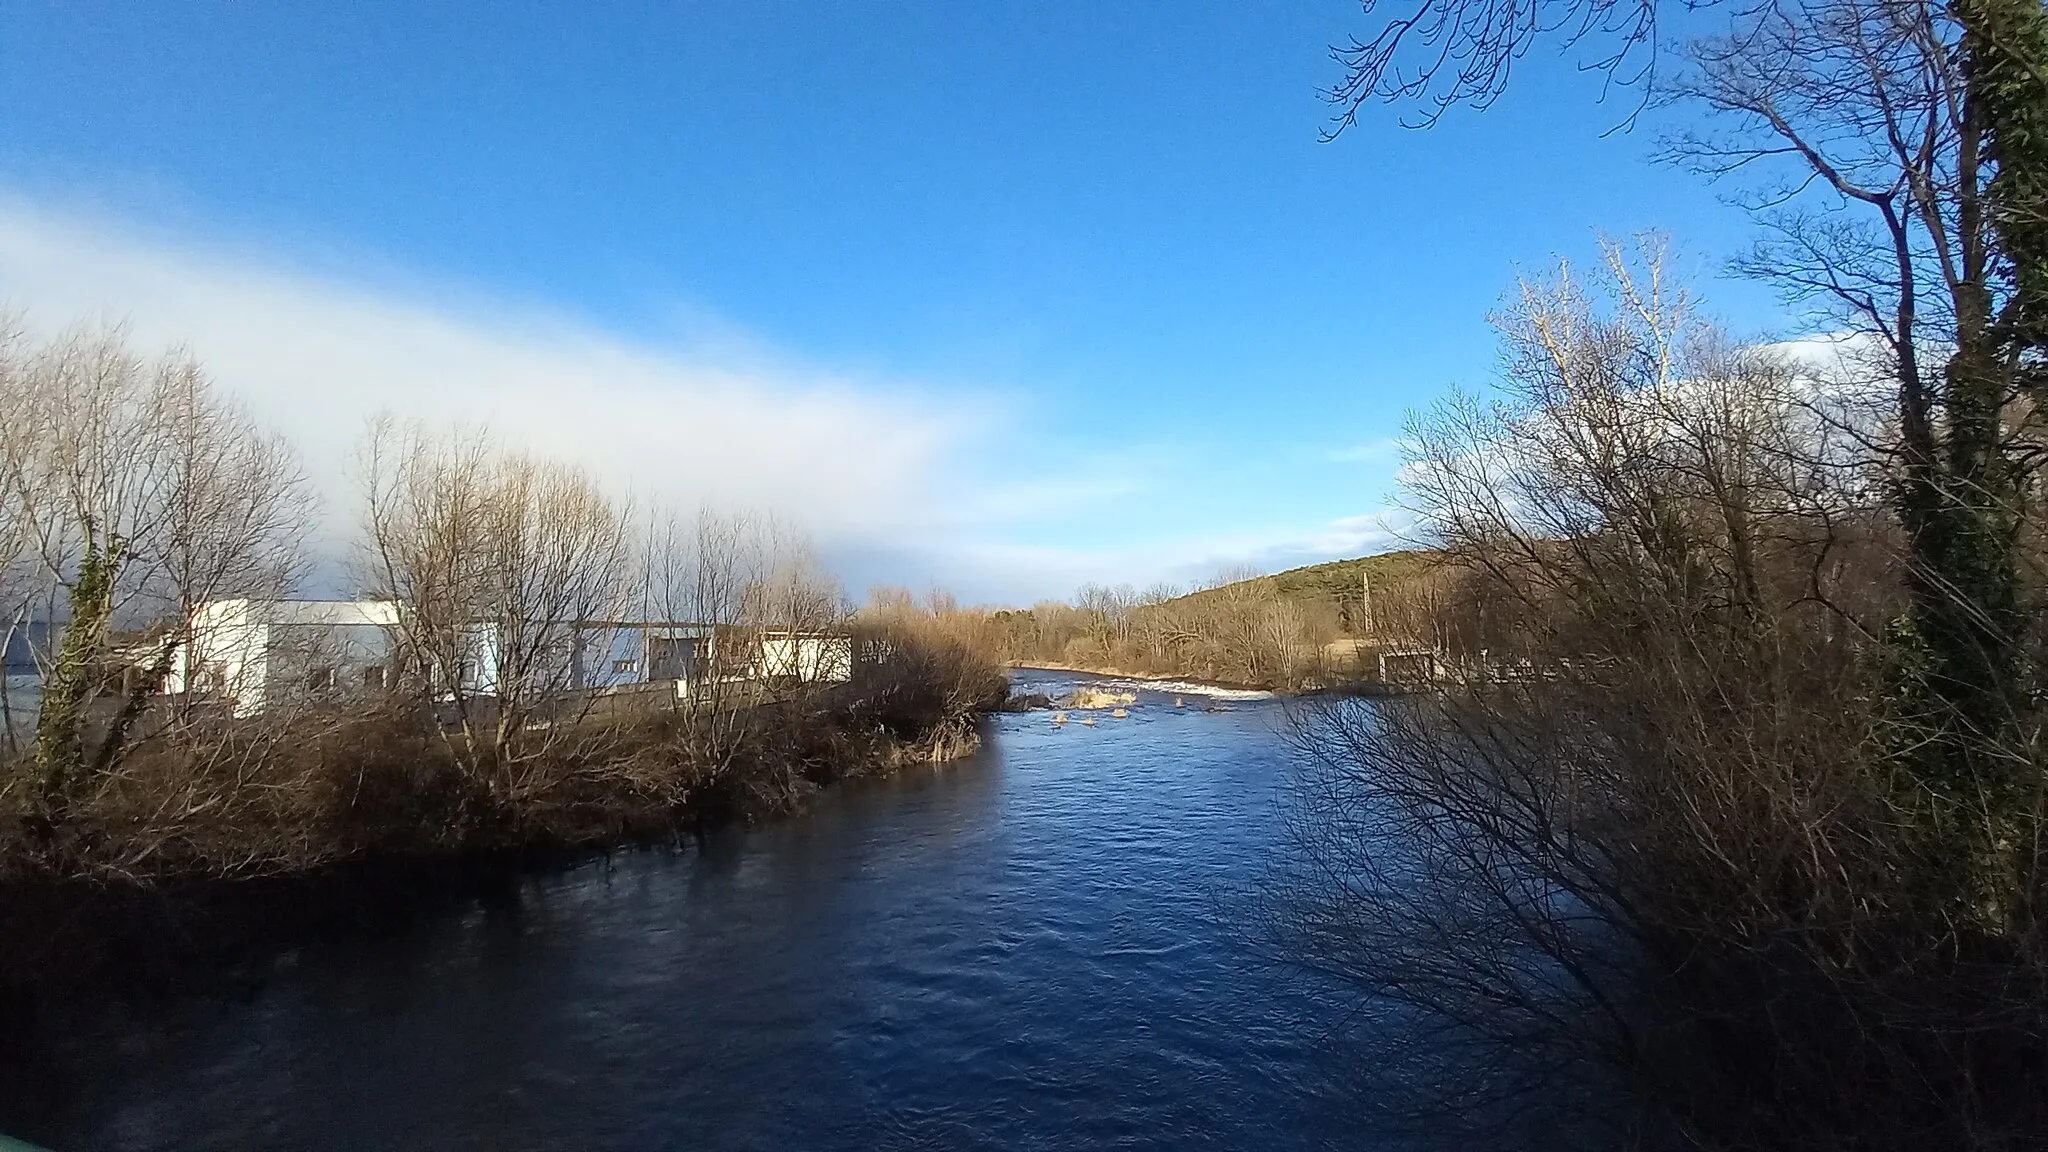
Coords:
1039,947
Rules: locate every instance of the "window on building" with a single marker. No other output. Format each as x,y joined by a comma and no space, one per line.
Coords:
320,679
373,676
625,665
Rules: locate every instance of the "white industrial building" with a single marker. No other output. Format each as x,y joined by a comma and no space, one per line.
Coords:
619,654
263,654
809,657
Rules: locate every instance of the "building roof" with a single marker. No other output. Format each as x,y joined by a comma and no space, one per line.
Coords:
329,613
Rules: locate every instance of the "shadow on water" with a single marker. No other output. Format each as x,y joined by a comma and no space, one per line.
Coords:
1042,947
93,962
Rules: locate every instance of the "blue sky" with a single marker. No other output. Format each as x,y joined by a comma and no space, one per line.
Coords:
1035,294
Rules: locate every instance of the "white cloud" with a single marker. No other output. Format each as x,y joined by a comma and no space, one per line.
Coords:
1833,356
1021,573
315,357
901,481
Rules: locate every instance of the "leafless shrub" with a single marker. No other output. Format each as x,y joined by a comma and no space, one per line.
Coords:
929,669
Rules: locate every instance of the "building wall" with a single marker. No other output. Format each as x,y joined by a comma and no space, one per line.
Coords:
224,655
812,659
308,662
619,654
263,653
609,657
478,644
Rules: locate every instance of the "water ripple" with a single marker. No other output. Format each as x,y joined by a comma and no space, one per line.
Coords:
1022,951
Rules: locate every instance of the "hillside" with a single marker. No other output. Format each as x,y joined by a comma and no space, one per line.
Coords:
1329,584
1303,626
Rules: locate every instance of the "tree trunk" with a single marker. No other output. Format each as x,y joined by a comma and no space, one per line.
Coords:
60,728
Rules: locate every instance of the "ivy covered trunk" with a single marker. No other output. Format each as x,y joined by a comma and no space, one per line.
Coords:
74,679
1967,480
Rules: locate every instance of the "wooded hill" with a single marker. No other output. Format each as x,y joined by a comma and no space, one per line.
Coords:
1291,629
1337,585
1332,583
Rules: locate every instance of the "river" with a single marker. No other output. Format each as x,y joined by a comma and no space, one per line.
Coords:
1038,947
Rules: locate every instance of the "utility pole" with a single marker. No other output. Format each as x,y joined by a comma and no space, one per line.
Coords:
1365,591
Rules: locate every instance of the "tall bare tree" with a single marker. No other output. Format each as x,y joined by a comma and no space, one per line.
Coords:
1895,149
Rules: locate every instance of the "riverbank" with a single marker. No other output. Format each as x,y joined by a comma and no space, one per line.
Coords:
209,843
230,800
1024,950
1224,689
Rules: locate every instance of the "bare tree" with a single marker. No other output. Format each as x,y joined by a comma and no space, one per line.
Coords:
1112,607
745,575
793,591
498,562
143,492
1892,152
1435,55
1661,830
18,582
1883,211
1237,627
929,668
